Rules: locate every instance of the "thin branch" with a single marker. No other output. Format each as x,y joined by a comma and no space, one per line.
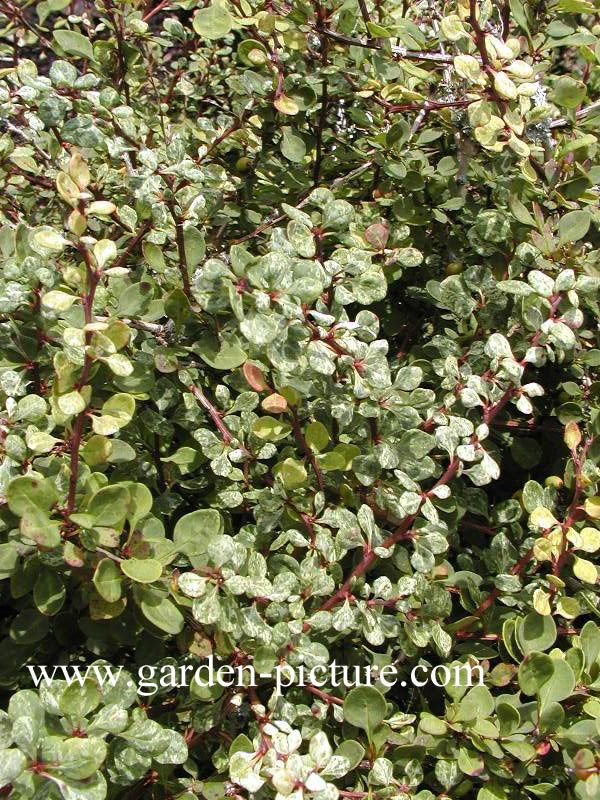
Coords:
93,277
305,447
183,266
132,244
324,98
159,7
517,569
413,55
216,142
478,31
213,413
584,112
118,28
273,219
328,698
364,13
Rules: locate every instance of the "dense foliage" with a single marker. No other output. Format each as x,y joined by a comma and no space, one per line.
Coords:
299,349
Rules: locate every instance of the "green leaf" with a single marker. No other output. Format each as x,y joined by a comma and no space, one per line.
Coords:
478,703
92,788
80,758
26,490
292,146
161,612
78,700
71,403
74,43
520,212
38,528
568,92
317,436
214,21
590,642
585,570
221,354
535,670
52,240
345,758
592,507
49,592
337,214
120,407
58,301
9,558
271,429
135,300
109,505
365,707
107,580
560,685
286,105
194,531
573,226
145,570
292,473
195,248
97,450
12,764
140,503
105,251
536,633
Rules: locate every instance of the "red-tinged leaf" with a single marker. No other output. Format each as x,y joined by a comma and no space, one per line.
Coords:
378,235
254,376
285,105
274,404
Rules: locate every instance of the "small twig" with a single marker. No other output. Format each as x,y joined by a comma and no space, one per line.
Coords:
183,266
413,55
305,447
93,277
328,698
273,219
159,7
213,413
132,244
584,112
324,98
216,142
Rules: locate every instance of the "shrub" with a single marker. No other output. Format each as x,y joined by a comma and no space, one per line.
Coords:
299,365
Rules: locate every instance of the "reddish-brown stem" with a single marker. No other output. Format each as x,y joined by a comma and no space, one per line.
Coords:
369,557
183,266
119,36
215,415
402,532
364,13
14,13
156,10
93,276
465,523
572,513
133,243
329,698
494,410
306,449
478,31
414,55
232,129
324,99
517,569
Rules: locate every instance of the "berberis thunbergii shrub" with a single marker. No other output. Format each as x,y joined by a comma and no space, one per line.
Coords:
299,345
